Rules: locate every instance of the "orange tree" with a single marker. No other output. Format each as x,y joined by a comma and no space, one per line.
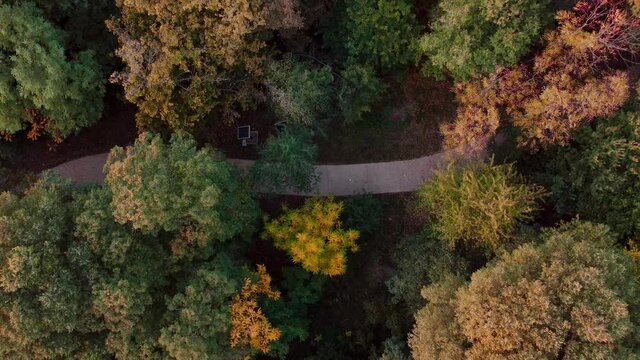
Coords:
313,237
249,326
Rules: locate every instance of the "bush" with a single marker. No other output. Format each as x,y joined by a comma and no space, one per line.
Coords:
286,162
480,204
472,37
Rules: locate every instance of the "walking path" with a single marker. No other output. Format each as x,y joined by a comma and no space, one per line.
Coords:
339,180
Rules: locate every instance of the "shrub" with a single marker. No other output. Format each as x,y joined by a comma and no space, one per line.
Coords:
363,213
421,260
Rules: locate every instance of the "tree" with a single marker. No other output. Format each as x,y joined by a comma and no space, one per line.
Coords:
377,33
183,61
78,283
313,237
290,313
480,204
598,177
175,188
470,38
570,83
421,259
197,322
287,161
43,83
124,270
436,333
359,90
249,325
300,95
571,297
44,312
83,23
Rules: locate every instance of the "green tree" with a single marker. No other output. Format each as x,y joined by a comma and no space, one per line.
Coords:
181,58
472,37
291,314
377,33
313,236
300,95
480,204
572,297
286,161
176,188
598,177
360,89
43,306
421,259
124,269
83,23
197,322
42,82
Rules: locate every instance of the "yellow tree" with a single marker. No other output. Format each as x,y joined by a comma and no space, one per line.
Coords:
313,237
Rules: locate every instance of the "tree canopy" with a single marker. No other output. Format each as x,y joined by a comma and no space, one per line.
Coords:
598,177
313,236
43,83
472,38
180,57
175,187
567,298
571,82
479,204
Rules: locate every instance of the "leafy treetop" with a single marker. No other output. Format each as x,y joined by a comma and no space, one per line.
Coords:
313,237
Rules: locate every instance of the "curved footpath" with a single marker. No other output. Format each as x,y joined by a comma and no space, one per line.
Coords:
338,180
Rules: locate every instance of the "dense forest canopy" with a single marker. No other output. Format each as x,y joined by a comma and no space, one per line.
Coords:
519,239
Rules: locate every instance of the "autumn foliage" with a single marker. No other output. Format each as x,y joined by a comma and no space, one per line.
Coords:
479,204
313,236
249,326
181,56
571,81
567,298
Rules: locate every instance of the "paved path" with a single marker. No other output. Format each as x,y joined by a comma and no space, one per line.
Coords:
339,180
